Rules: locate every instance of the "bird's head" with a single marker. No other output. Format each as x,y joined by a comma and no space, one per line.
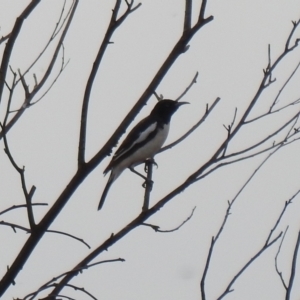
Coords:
164,109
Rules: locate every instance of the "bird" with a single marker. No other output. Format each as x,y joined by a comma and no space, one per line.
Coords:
142,142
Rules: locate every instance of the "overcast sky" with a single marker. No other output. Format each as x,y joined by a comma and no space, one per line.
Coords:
230,54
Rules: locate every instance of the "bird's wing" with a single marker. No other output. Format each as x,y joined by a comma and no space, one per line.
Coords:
136,136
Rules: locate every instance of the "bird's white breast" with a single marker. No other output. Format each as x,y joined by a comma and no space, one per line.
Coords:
148,150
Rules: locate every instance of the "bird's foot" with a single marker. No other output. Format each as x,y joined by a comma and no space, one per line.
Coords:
149,183
150,161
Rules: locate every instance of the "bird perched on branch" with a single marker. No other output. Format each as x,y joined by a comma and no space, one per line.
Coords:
142,142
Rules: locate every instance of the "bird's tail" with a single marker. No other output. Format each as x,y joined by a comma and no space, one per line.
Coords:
111,179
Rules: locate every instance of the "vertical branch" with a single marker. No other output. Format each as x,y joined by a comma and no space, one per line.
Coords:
187,15
149,183
293,271
202,10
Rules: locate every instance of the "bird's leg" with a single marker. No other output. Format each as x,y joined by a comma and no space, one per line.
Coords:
137,173
146,168
147,181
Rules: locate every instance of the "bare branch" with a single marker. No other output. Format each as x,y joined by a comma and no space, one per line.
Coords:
293,269
287,203
211,248
51,283
158,97
202,10
229,129
14,226
271,111
25,86
113,25
11,41
178,49
38,86
28,196
206,114
4,38
291,122
21,206
250,261
85,169
283,87
58,27
156,228
190,85
230,203
276,259
287,44
149,183
187,15
76,288
70,235
269,242
62,68
297,101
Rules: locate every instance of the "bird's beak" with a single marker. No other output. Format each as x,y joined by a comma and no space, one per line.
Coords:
182,103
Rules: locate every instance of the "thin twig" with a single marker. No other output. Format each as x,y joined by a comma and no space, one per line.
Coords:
62,68
276,260
158,97
70,235
14,226
51,283
287,203
21,206
194,80
76,288
55,32
295,102
25,85
157,228
229,129
283,87
230,204
291,122
4,38
193,128
211,248
287,44
250,261
267,244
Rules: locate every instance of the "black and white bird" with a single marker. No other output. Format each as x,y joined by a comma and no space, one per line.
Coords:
142,142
